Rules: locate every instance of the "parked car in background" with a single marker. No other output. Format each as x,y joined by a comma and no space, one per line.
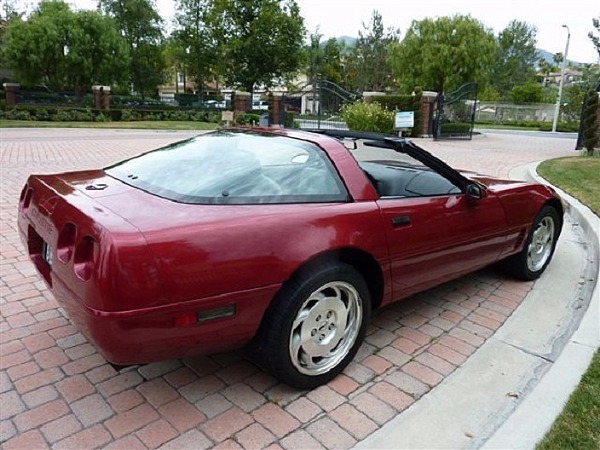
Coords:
261,105
284,240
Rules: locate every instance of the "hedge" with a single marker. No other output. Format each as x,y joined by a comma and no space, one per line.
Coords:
58,114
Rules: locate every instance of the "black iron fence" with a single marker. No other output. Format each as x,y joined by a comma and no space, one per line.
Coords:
68,99
318,104
454,116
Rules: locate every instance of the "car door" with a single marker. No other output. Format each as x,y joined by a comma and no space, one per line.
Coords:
436,238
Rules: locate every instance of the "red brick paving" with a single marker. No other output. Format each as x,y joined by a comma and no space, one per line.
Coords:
56,391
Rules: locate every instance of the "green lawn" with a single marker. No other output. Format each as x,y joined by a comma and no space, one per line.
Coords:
577,175
578,427
145,125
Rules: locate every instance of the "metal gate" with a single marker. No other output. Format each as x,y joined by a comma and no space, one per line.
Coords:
454,115
316,105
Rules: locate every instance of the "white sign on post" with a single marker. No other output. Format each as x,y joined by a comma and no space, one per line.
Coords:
404,119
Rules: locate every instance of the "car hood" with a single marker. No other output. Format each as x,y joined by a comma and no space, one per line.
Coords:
491,182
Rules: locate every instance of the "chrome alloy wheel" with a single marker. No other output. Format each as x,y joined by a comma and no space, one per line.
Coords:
325,328
541,245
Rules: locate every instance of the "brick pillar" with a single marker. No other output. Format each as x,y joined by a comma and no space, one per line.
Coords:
106,98
11,90
426,111
101,97
242,102
276,110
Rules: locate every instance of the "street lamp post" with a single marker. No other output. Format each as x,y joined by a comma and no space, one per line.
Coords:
562,80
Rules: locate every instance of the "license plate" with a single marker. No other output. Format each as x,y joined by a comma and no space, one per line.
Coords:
47,253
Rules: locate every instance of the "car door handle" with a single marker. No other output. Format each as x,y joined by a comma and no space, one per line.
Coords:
400,221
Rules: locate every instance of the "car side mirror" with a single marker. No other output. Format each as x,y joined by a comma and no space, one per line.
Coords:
474,192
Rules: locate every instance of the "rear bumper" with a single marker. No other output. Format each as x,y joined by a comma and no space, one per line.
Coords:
153,334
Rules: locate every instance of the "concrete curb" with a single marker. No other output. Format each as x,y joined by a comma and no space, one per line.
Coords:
510,391
549,396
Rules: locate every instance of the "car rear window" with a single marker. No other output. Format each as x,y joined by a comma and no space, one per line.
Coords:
235,167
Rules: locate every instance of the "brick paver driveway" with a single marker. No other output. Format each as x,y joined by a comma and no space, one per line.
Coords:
56,391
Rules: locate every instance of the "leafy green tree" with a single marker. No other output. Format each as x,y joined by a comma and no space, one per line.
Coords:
443,53
324,60
369,59
332,66
595,39
96,52
515,58
258,41
313,54
489,94
62,49
530,92
195,41
574,93
140,25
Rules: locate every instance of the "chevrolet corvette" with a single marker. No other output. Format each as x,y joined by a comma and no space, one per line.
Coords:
283,240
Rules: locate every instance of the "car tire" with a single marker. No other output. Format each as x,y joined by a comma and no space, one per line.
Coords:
315,325
539,247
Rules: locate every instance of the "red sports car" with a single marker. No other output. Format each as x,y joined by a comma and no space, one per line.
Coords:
283,239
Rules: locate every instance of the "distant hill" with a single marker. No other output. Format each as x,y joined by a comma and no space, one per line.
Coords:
347,40
549,58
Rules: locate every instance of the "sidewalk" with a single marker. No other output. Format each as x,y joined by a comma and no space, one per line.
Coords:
56,391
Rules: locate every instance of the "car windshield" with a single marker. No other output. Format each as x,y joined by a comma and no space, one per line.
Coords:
235,167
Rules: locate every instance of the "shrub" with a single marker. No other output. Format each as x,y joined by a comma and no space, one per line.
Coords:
248,119
82,116
591,132
396,102
126,115
42,114
372,116
62,115
16,114
100,117
290,120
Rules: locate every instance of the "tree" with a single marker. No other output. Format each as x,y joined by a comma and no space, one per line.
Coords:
258,41
11,9
198,52
575,93
595,39
332,66
515,58
96,52
313,54
370,56
324,60
591,132
441,54
140,25
530,92
62,49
